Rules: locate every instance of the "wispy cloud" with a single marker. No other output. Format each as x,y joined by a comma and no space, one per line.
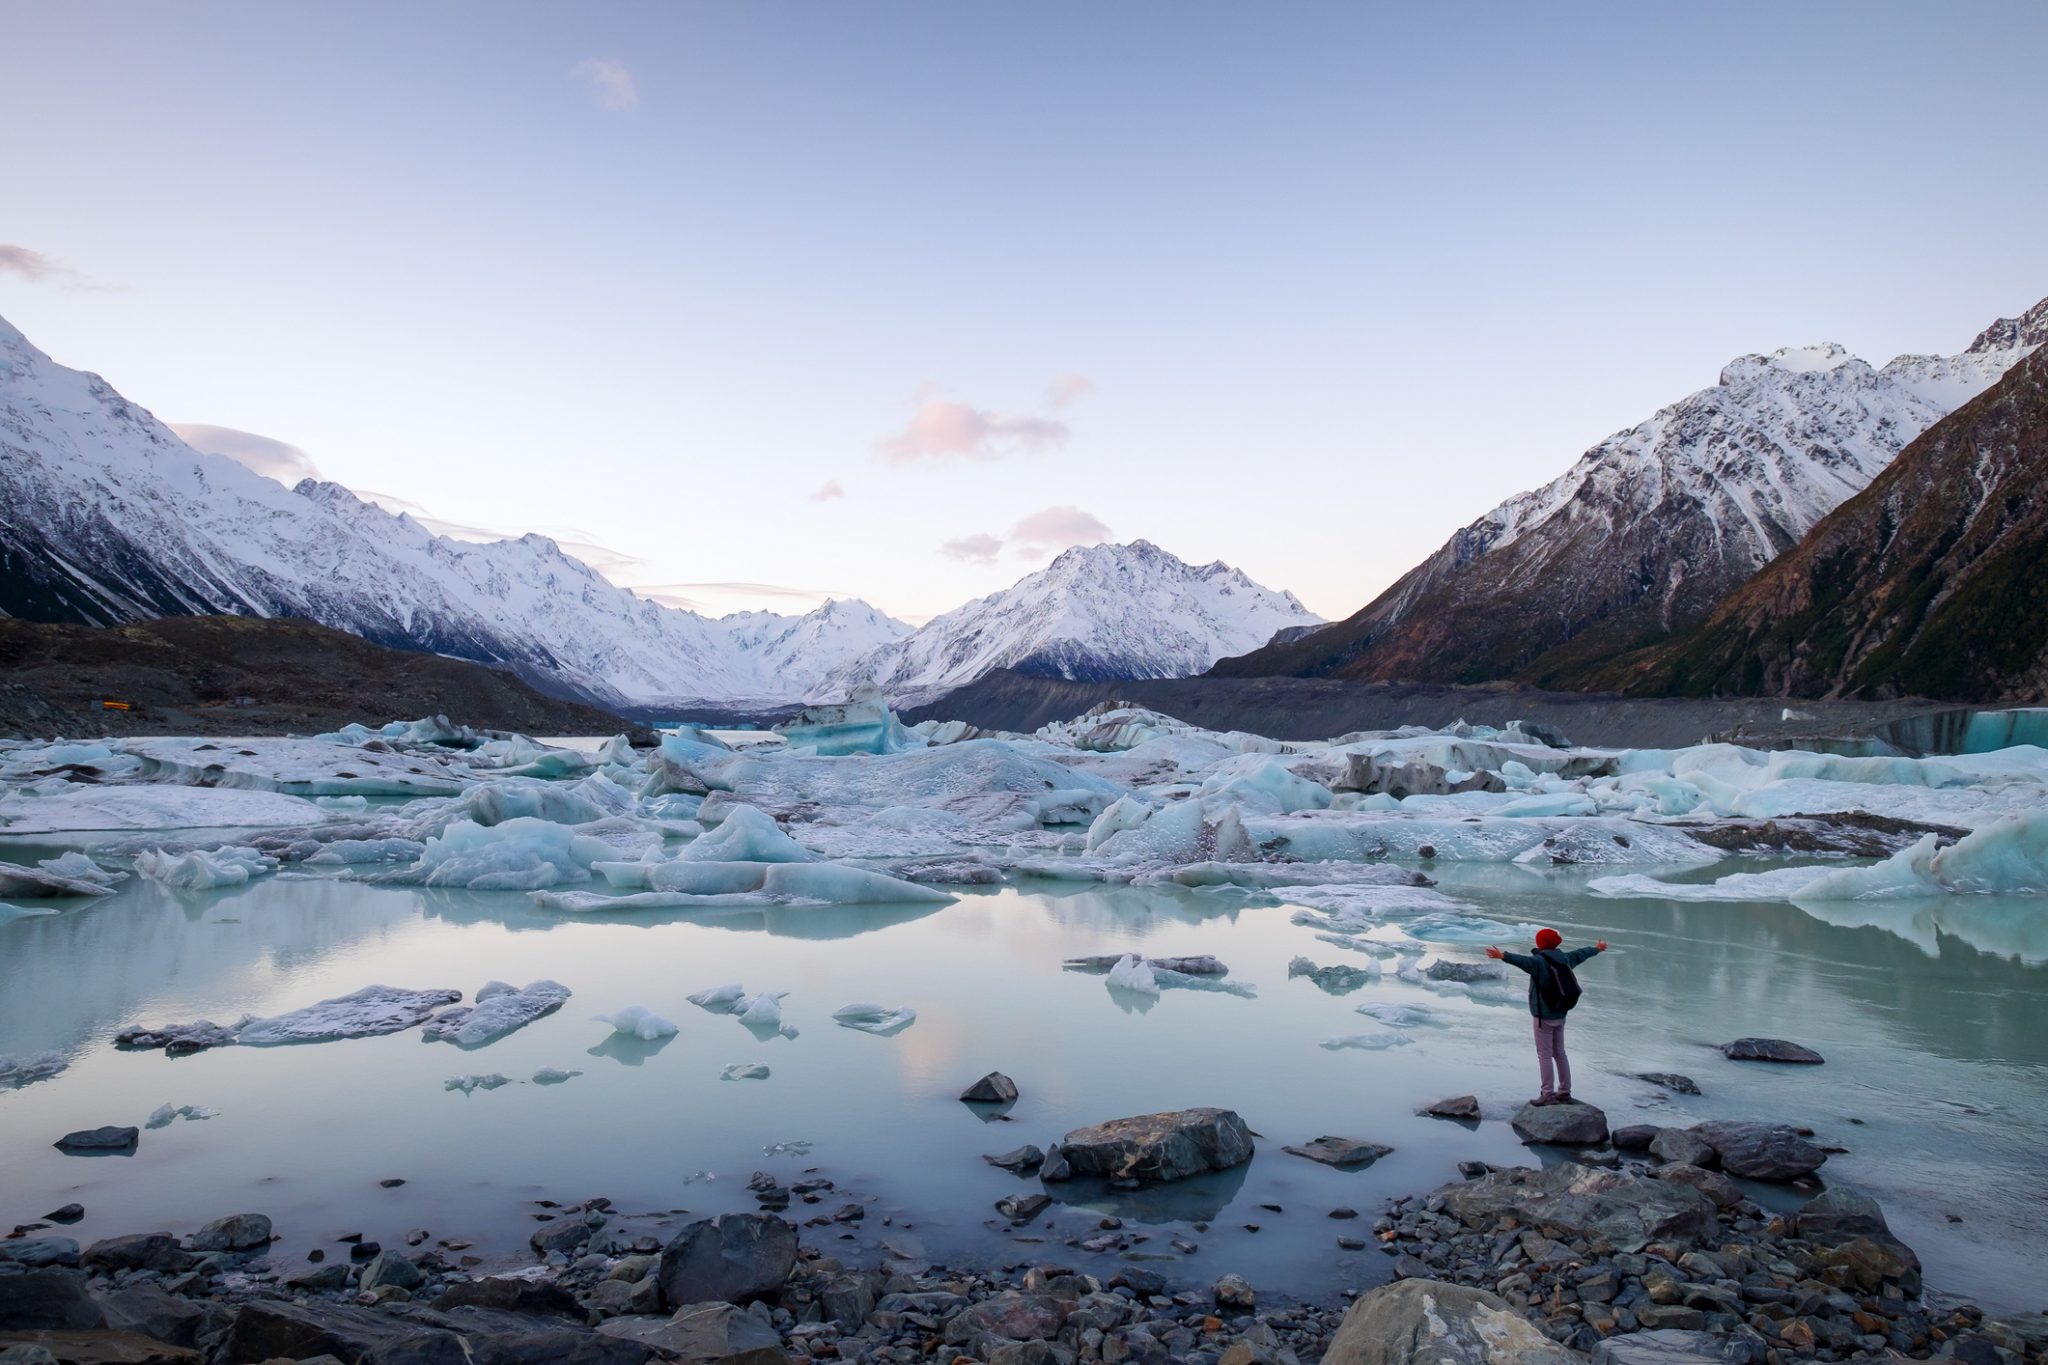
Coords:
830,491
35,267
1043,533
272,458
977,549
1067,389
943,429
1055,528
611,85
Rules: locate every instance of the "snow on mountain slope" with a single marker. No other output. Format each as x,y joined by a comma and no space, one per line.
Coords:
1096,612
1655,525
105,516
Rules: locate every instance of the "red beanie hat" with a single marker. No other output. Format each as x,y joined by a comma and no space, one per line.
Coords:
1548,938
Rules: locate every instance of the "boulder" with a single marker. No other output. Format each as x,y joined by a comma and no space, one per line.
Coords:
1456,1107
265,1329
1634,1137
1340,1151
50,1298
1669,1346
1577,1202
135,1251
733,1258
549,1346
148,1310
1012,1316
1678,1144
1564,1125
1838,1214
513,1294
994,1088
1874,1261
1022,1208
1021,1159
1770,1050
36,1252
1234,1292
106,1139
1429,1322
1715,1186
561,1234
703,1334
1159,1147
1760,1151
241,1232
1671,1080
392,1270
93,1348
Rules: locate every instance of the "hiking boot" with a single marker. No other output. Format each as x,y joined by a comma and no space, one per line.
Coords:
1563,1097
1543,1101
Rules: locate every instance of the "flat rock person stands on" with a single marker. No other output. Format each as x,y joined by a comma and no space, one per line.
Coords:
1553,990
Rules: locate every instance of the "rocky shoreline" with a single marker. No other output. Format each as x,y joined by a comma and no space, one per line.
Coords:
1637,1250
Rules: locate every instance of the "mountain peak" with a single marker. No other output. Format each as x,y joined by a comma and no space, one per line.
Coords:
2028,330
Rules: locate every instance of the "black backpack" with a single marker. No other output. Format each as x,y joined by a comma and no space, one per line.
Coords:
1558,987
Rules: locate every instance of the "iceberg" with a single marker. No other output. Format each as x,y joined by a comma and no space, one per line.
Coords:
746,835
471,1084
876,1019
682,884
2008,857
200,871
1366,1042
16,1072
638,1021
862,724
14,912
743,1071
499,1009
1133,974
553,1075
1778,884
719,999
366,1013
1394,1015
763,1011
45,881
524,853
164,1115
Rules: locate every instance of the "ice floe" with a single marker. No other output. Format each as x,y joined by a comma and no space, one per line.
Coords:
499,1009
743,1071
19,1071
881,1020
203,871
366,1013
166,1114
553,1075
469,1085
638,1021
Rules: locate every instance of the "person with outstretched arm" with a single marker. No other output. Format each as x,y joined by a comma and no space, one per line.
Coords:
1553,990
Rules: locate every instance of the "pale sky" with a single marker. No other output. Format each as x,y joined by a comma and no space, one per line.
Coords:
895,300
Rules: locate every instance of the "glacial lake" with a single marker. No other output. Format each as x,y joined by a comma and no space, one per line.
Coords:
1933,1018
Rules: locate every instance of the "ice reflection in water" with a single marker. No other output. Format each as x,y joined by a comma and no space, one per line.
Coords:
1933,1018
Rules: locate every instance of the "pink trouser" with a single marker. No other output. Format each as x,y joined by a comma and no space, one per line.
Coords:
1555,1067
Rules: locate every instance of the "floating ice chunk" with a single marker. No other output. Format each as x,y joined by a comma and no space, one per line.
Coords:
201,871
746,836
164,1115
1367,1042
1168,979
32,883
78,866
715,883
1555,803
1133,974
638,1021
366,1013
1394,1015
744,1071
499,1009
83,809
470,1084
1259,782
862,724
15,912
181,1039
1181,833
347,803
524,853
1779,883
1464,929
880,1020
19,1071
355,852
553,1075
720,999
1409,968
2006,857
527,798
763,1011
1623,842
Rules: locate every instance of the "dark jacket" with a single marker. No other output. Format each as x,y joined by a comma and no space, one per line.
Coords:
1537,965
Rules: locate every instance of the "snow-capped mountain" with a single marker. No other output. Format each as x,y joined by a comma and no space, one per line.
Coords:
1096,612
1655,525
105,516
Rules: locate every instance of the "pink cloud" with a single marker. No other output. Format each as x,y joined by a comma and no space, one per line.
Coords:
1068,388
975,549
1056,528
941,429
830,491
611,85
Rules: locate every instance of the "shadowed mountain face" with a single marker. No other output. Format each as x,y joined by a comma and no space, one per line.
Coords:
1653,527
1932,582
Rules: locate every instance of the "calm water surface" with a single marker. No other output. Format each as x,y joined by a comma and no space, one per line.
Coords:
1934,1021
